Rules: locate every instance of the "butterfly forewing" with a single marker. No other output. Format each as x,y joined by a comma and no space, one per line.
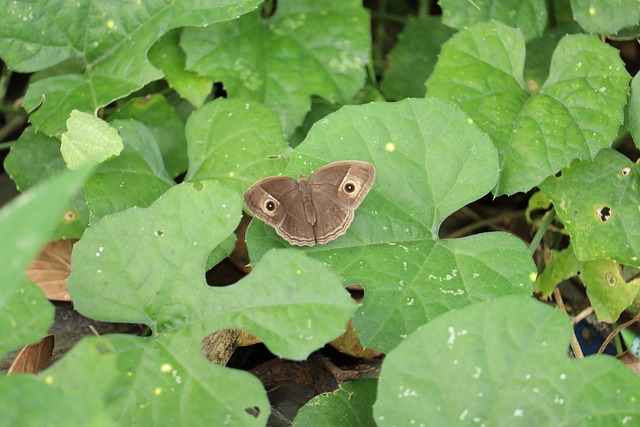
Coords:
287,216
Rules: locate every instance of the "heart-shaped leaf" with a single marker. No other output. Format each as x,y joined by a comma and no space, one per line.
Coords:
293,303
431,160
575,114
234,141
412,60
605,16
108,40
283,59
530,16
502,362
605,225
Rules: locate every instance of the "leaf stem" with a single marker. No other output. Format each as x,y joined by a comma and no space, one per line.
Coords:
544,226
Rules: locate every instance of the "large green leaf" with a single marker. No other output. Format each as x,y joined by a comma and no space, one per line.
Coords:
25,224
603,224
165,125
530,16
431,160
349,405
147,266
609,294
26,316
72,392
167,55
236,142
136,177
109,39
502,363
634,110
305,48
606,16
412,59
35,148
575,114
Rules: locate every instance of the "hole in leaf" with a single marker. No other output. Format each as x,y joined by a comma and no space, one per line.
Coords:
255,411
357,292
625,171
604,213
159,233
558,174
218,90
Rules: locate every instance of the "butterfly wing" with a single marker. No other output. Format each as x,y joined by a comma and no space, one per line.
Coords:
337,190
277,201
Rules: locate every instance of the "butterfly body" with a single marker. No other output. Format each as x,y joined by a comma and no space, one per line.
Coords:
314,211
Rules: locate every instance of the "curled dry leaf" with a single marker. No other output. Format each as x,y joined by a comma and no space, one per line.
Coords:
51,268
33,357
349,343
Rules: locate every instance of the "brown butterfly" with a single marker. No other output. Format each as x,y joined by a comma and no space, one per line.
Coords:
315,211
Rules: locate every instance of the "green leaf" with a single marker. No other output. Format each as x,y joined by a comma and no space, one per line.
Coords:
530,16
236,142
606,16
540,51
30,403
26,316
576,113
168,56
561,265
110,40
71,392
35,148
305,48
165,125
604,225
412,59
136,177
538,200
634,110
88,140
168,382
431,159
147,266
608,292
25,223
502,362
349,405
